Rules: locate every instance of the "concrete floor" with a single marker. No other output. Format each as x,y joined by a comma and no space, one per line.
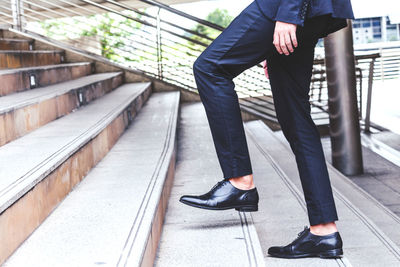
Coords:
381,178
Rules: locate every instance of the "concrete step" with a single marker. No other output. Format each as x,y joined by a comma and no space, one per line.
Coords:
262,108
114,216
39,169
16,44
380,177
10,59
21,79
388,147
363,223
389,138
380,215
198,237
25,111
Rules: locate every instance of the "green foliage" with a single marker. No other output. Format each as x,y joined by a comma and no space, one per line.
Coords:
111,31
220,17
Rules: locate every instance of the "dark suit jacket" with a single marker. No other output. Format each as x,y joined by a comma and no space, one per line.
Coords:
296,11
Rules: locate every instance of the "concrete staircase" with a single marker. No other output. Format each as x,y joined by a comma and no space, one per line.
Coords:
58,121
92,167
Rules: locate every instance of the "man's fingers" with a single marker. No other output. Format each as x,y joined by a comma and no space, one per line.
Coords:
285,39
283,44
288,42
294,38
265,66
277,43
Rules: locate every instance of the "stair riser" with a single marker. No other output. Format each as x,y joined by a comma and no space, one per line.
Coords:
10,60
21,81
15,45
19,122
24,216
156,230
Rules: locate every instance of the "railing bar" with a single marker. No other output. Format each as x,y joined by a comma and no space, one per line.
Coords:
119,13
62,7
163,21
36,12
5,14
45,8
183,14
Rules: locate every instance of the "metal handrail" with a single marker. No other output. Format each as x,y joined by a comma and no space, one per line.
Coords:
157,46
180,13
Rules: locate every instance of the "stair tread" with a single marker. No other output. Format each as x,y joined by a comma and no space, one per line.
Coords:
21,99
380,215
16,40
44,67
104,210
363,239
30,51
188,232
21,168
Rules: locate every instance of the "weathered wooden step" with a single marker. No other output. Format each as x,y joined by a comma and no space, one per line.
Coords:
16,44
26,111
39,169
21,79
114,217
10,59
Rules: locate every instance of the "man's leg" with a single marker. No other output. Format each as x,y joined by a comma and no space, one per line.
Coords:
244,43
290,78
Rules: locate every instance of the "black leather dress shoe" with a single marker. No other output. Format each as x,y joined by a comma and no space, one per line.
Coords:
310,245
224,196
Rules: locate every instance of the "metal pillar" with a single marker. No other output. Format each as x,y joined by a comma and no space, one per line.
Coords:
343,111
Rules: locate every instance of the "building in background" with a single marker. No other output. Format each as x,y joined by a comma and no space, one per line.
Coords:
376,29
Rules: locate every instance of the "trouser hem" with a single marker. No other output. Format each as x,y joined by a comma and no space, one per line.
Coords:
326,214
237,174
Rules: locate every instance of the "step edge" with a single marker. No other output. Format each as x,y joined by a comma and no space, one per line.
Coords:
17,40
43,67
256,255
146,229
32,51
57,92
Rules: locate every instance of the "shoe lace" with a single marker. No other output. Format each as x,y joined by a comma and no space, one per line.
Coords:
301,233
217,184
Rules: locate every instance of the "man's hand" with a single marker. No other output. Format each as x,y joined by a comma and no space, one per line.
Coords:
265,66
285,37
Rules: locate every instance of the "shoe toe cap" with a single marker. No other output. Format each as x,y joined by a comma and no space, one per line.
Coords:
278,250
273,250
189,199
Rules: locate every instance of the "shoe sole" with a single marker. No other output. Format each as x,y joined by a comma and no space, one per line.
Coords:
334,253
246,208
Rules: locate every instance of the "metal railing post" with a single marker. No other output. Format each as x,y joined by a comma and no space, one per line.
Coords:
159,46
343,110
369,96
17,13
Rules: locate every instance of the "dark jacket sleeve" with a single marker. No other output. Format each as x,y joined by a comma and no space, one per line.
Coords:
292,11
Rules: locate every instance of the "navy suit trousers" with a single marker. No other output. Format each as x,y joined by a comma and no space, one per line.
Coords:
246,42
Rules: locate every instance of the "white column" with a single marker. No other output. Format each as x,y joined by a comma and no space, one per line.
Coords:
383,29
